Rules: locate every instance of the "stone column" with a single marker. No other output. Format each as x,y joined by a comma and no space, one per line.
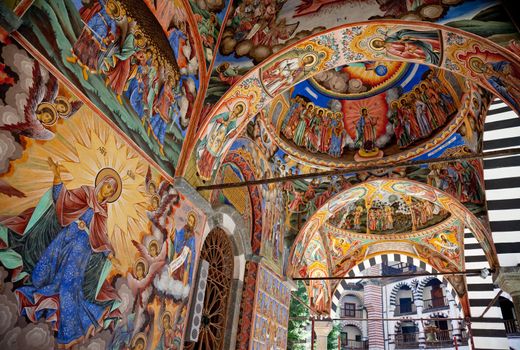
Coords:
453,314
508,279
374,304
391,328
419,304
322,330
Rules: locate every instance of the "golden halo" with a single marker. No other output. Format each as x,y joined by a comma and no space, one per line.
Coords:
155,196
222,67
167,313
114,9
46,108
155,243
109,172
476,64
371,44
312,62
139,261
309,104
65,104
192,213
137,337
243,108
139,38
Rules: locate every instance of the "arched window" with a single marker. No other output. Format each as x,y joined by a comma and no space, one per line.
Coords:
433,295
404,299
217,251
351,337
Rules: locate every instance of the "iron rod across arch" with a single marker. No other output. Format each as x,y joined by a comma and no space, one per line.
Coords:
304,318
481,155
466,272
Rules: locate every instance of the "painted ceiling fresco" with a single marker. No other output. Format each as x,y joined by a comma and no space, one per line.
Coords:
137,62
259,29
369,218
228,91
263,86
95,244
406,117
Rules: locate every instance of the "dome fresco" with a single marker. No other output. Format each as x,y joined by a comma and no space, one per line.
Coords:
422,218
403,117
388,213
281,139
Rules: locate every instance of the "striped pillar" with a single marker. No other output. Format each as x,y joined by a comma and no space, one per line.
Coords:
502,182
488,331
373,302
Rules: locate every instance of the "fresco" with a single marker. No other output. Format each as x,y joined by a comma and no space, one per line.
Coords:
96,247
271,312
356,44
209,16
338,240
301,198
404,117
142,74
387,213
261,29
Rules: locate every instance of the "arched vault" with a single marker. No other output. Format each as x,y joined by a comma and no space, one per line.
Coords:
459,52
391,215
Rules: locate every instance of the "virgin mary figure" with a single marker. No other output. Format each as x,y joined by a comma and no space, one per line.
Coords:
66,253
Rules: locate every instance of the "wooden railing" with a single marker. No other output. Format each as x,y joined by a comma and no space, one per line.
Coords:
435,303
350,344
434,338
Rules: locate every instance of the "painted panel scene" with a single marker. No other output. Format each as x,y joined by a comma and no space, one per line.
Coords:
259,174
95,245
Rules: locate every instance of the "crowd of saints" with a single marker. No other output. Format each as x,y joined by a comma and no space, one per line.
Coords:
113,45
385,217
414,116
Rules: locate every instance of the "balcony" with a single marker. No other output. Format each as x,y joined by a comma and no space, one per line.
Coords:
398,269
405,309
351,344
511,327
435,303
351,313
435,338
407,341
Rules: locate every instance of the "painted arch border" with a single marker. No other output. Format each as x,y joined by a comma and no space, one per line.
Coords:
333,205
336,43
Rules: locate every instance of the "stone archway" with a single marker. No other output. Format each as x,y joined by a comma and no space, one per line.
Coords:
218,252
463,54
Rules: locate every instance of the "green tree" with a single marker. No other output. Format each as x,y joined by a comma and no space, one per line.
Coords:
297,332
332,339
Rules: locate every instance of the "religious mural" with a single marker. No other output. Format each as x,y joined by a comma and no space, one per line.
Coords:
142,74
334,230
388,213
257,30
209,16
271,312
96,246
356,44
394,120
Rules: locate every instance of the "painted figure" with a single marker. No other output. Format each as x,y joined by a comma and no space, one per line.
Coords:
65,248
224,127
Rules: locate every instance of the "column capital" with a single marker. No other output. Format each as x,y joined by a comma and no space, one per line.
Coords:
322,328
508,279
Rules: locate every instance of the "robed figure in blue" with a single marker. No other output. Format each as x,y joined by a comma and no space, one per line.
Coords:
65,255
